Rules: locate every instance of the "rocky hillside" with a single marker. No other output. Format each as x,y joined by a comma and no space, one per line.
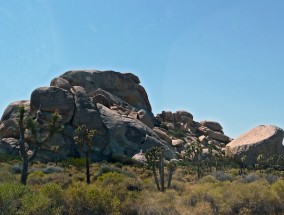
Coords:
117,106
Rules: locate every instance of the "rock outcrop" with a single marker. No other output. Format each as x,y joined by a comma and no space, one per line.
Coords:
113,103
183,130
116,105
263,140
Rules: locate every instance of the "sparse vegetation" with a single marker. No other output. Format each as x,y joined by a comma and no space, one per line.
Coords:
131,190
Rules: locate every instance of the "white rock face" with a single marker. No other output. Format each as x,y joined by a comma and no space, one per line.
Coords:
264,139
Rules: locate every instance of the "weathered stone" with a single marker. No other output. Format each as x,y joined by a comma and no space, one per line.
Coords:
140,157
128,136
9,121
146,117
86,113
53,99
181,113
102,100
132,77
61,83
163,135
116,83
167,116
214,135
177,142
218,136
215,126
186,120
9,146
263,140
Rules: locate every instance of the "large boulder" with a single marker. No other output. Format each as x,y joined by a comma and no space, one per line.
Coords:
124,86
263,140
215,126
9,121
53,99
181,115
163,135
127,136
86,113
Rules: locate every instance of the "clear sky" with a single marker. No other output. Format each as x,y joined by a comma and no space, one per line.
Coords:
220,60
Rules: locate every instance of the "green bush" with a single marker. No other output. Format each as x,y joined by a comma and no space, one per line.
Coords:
89,199
208,179
106,168
10,196
35,204
7,157
76,162
54,192
177,134
6,176
278,188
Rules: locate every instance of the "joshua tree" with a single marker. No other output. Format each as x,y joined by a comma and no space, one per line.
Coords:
242,164
155,157
29,150
194,153
55,149
171,166
84,139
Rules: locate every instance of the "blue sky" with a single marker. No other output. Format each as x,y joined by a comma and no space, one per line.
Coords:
220,60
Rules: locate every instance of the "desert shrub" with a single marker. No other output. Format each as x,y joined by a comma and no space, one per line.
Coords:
55,193
79,177
222,176
111,178
202,208
122,187
10,195
6,176
36,177
234,172
59,178
270,178
157,203
177,133
17,169
235,197
7,158
52,169
123,159
249,178
36,173
118,165
178,186
35,203
76,162
278,188
164,126
208,179
89,199
106,168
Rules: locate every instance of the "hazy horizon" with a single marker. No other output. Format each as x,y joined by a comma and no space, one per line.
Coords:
220,61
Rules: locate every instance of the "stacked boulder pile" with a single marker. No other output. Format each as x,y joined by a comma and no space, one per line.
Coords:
179,130
113,103
117,106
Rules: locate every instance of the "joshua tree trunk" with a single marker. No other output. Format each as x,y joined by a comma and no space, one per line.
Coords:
24,171
23,154
88,167
162,174
170,178
155,175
